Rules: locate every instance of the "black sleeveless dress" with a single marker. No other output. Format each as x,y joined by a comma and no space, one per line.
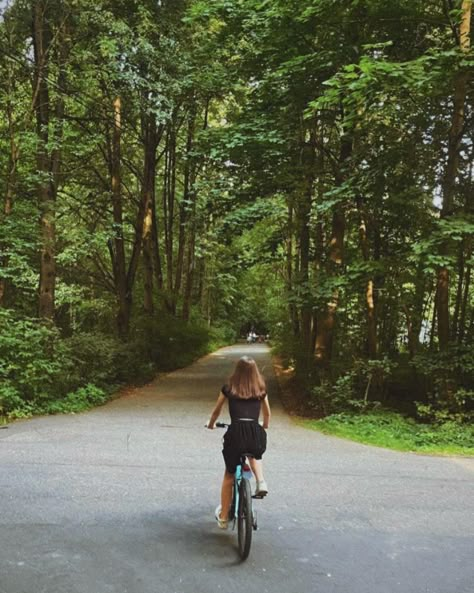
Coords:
244,435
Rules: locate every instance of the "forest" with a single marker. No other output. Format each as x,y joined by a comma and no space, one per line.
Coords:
176,173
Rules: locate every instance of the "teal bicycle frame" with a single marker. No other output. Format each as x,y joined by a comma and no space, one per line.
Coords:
241,511
240,473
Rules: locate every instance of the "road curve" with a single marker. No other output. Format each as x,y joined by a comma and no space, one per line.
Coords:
121,500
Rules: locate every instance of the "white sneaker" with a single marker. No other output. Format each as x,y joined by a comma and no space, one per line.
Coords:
261,490
222,523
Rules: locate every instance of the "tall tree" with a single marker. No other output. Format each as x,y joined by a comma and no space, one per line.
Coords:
451,170
49,31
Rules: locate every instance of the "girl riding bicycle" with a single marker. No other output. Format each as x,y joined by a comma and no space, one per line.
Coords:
247,395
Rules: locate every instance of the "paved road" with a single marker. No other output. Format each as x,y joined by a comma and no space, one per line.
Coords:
121,500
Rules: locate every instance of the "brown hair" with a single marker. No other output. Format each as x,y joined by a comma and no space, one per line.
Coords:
246,380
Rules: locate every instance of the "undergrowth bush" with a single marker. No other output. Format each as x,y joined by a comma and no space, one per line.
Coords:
221,335
93,356
360,388
285,345
33,359
80,400
41,372
167,342
448,378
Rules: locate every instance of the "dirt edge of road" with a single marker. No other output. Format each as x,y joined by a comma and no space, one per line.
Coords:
291,393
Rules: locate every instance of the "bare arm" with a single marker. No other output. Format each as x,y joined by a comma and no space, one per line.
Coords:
216,411
266,412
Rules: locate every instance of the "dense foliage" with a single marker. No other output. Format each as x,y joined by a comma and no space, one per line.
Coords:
175,173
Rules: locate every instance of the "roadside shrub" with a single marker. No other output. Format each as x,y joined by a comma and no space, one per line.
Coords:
80,400
359,389
133,362
93,357
285,345
10,400
438,411
341,395
33,360
168,342
448,379
221,335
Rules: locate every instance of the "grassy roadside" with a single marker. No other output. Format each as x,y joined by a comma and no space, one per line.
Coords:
394,431
381,428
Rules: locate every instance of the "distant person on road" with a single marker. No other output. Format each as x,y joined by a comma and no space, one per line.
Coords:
246,393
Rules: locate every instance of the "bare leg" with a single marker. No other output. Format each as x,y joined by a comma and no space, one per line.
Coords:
226,494
257,468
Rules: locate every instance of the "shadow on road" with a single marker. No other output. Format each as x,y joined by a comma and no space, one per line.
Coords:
192,536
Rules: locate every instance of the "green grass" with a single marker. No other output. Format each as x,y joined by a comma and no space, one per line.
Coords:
394,431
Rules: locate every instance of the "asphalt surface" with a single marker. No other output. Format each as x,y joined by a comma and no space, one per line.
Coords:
121,500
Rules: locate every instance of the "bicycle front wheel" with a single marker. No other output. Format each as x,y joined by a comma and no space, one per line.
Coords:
244,519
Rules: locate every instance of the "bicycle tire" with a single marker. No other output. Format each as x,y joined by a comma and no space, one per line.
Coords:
244,520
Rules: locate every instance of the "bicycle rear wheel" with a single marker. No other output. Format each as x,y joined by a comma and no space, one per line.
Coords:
244,519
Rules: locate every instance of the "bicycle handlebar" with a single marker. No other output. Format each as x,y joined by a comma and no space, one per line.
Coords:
219,425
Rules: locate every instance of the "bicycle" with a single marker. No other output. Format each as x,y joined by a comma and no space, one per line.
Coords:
241,511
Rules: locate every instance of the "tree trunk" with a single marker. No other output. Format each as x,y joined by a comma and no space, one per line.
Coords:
292,310
148,306
449,181
171,193
318,265
318,239
201,280
165,198
470,331
48,164
468,244
46,197
415,315
465,298
155,244
145,219
433,319
185,203
11,177
459,291
191,263
326,321
304,211
168,212
372,343
118,249
190,256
